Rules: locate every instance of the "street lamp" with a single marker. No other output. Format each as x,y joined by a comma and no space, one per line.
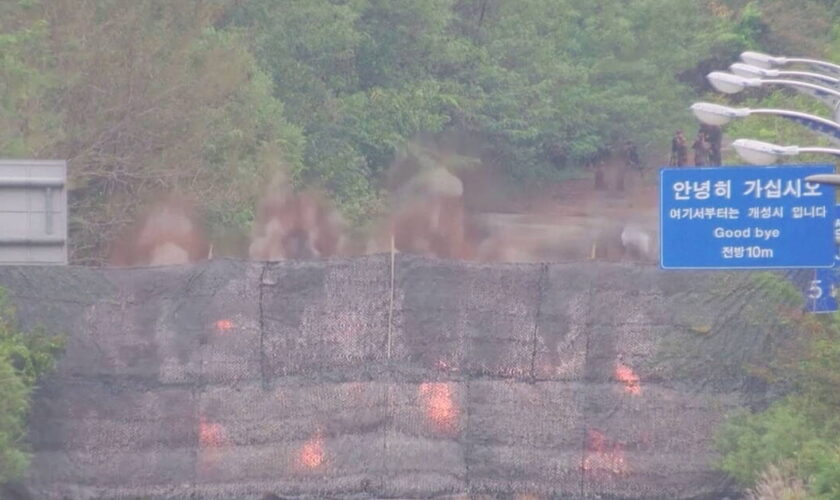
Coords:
765,153
768,62
749,71
832,179
717,114
732,84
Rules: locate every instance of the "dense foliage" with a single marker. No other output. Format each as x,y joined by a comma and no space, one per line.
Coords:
23,358
142,97
539,85
793,445
791,449
802,431
210,98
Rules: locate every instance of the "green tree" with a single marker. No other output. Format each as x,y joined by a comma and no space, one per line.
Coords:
576,78
29,124
353,76
543,84
209,97
799,431
309,48
182,108
24,357
153,99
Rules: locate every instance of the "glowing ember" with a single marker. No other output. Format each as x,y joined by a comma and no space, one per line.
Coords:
439,405
603,455
311,454
210,434
628,377
224,325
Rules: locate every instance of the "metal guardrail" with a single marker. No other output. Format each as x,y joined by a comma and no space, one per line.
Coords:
23,182
12,241
24,239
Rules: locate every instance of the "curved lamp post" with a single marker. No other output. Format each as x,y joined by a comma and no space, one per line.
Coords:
732,84
767,61
749,71
832,179
718,114
765,153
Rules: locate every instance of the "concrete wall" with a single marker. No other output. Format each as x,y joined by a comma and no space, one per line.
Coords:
303,379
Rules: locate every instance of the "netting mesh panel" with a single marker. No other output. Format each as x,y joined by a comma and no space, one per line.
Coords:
240,380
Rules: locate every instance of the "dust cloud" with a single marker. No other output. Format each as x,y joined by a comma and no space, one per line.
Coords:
168,233
442,208
296,225
441,205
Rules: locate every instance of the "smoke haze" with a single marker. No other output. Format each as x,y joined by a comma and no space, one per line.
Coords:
438,207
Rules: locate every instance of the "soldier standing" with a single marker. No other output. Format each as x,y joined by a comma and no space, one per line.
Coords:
679,150
714,137
631,158
600,183
631,161
701,150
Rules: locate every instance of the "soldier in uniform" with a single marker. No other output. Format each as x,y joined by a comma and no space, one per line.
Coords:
631,162
701,150
679,150
631,158
600,183
714,137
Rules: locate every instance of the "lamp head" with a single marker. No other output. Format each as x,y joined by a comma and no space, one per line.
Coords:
762,153
717,114
761,60
729,83
749,71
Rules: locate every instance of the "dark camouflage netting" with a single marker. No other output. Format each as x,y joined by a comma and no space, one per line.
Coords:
256,381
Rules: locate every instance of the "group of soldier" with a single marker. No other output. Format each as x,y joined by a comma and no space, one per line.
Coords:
632,162
706,147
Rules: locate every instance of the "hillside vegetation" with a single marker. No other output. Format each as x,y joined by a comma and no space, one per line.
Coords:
24,357
210,98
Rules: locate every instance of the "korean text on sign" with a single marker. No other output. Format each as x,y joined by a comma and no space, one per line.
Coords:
745,217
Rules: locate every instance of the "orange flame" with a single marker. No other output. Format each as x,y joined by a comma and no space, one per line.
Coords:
210,434
223,325
628,377
211,441
439,405
603,455
311,453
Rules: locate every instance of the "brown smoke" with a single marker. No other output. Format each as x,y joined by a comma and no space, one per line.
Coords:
296,225
439,208
166,234
442,209
428,217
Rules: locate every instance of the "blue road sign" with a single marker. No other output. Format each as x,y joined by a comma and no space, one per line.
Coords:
821,295
746,218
